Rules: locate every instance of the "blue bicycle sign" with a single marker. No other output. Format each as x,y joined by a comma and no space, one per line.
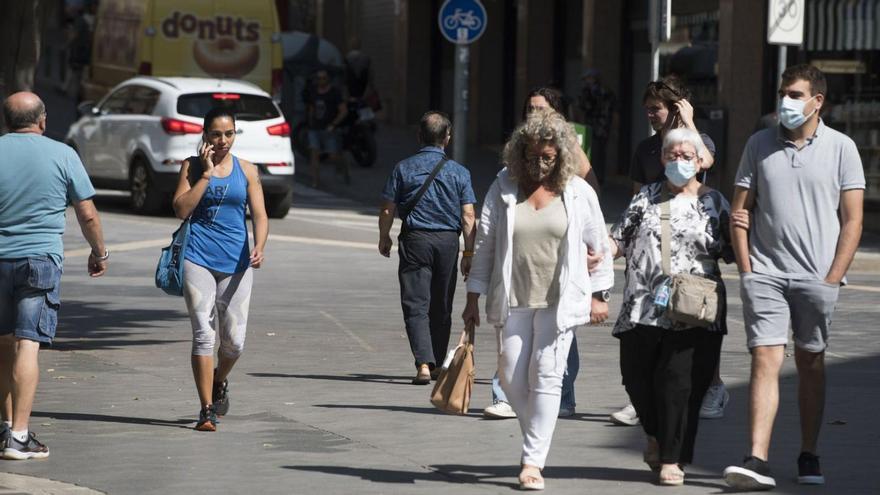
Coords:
462,21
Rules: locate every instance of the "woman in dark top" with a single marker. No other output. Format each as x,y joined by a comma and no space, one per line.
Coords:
667,106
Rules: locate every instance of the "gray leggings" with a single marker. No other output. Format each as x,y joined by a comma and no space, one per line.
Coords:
211,294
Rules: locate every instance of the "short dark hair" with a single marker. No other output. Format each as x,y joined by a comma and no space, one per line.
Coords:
669,90
216,113
18,118
434,128
806,72
554,98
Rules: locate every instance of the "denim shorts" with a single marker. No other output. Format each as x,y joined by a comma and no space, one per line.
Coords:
771,303
30,295
323,140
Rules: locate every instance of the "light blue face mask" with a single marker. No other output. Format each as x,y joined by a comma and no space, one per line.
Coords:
791,112
679,172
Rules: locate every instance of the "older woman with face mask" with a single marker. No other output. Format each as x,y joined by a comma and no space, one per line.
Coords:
537,223
667,366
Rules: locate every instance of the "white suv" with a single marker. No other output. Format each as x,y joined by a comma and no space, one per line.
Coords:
138,135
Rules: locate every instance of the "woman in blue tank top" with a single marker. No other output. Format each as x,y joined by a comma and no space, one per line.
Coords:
213,190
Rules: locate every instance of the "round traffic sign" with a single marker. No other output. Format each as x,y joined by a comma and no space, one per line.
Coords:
462,21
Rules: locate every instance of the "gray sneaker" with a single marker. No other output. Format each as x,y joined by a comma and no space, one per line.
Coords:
22,451
220,397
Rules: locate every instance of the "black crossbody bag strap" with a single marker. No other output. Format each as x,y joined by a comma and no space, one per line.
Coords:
411,204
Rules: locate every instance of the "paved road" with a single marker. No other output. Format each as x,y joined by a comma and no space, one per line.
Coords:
321,399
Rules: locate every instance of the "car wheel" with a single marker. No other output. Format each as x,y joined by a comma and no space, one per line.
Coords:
145,199
278,204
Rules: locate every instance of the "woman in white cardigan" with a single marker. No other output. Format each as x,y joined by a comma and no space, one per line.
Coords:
537,223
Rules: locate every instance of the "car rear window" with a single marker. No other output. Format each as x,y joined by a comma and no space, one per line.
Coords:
245,107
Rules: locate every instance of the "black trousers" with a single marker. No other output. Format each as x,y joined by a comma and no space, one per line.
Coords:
666,374
427,274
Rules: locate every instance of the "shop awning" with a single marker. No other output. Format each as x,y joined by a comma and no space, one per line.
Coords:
838,25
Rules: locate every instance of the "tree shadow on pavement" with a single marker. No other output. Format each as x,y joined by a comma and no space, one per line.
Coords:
91,326
174,423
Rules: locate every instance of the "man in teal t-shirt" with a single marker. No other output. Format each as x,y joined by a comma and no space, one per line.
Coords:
39,178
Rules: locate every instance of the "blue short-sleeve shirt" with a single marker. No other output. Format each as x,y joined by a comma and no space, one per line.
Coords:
39,178
440,207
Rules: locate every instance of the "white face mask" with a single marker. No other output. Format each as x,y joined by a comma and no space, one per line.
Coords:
791,112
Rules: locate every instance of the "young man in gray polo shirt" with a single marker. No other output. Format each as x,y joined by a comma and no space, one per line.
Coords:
803,184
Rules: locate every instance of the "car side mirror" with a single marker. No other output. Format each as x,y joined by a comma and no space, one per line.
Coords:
87,108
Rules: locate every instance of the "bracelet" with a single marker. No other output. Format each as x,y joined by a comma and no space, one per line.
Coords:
467,254
102,258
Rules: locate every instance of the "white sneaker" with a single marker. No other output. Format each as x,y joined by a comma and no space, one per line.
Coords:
499,410
714,402
626,416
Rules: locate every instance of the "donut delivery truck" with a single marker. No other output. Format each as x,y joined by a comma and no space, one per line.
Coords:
237,39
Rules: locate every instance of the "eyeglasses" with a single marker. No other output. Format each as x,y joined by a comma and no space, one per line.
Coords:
676,156
541,160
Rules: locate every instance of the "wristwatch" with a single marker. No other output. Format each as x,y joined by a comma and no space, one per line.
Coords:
602,295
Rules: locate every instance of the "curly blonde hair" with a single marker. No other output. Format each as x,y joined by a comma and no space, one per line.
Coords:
543,126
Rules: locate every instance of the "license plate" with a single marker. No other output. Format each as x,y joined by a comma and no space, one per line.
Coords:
366,113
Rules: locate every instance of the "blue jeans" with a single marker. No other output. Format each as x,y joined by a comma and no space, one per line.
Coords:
29,298
571,372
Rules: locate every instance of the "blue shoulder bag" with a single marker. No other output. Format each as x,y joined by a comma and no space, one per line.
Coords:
169,271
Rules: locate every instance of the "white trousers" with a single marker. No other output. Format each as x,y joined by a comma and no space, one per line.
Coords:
532,357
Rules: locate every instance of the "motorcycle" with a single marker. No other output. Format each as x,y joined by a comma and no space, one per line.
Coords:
359,136
357,132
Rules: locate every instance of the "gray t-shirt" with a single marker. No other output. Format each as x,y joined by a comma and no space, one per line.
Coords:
795,226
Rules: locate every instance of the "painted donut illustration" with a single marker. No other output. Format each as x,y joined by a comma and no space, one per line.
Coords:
226,57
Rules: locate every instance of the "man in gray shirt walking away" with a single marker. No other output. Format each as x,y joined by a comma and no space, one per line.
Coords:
804,185
39,178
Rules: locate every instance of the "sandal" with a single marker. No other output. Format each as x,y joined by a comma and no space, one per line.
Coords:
530,478
651,456
671,475
423,377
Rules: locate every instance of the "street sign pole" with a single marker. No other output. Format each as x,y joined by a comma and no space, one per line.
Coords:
461,22
785,26
783,56
460,88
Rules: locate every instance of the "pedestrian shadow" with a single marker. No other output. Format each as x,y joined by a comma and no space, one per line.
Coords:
101,418
497,475
408,409
407,477
95,326
353,377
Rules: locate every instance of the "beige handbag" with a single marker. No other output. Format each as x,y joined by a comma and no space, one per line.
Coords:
693,299
452,392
